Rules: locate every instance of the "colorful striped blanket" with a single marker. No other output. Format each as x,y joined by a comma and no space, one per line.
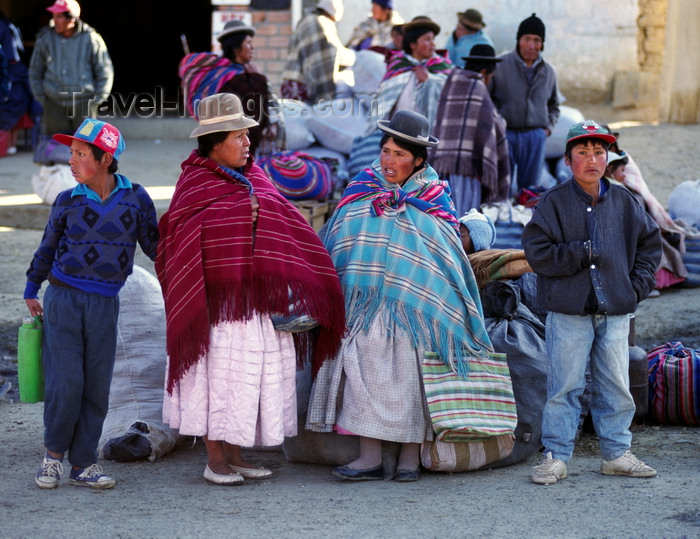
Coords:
203,74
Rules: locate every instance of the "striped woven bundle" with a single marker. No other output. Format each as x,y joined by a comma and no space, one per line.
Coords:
674,384
473,408
298,176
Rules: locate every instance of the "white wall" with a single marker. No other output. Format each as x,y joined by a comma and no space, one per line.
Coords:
586,42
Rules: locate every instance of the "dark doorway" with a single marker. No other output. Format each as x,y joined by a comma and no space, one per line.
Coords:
143,39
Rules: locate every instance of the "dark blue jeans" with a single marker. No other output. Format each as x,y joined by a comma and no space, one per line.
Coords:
526,150
79,345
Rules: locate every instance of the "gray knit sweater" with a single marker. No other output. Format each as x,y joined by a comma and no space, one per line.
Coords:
78,64
525,105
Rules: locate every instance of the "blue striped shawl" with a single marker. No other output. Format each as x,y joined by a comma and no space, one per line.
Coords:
409,266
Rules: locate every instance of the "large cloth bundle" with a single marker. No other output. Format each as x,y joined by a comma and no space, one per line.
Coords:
49,181
515,331
298,176
134,428
684,202
337,123
674,384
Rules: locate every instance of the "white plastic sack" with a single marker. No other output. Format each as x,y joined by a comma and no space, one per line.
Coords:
134,428
336,123
555,146
341,177
369,69
297,134
684,202
51,180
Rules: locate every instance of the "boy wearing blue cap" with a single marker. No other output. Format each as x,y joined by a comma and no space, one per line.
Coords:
86,254
595,251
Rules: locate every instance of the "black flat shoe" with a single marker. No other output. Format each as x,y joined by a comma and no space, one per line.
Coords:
370,474
407,476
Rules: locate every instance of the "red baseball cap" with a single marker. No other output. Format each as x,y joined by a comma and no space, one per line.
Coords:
103,135
589,128
65,6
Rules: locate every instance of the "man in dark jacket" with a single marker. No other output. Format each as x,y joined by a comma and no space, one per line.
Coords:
524,90
70,71
595,251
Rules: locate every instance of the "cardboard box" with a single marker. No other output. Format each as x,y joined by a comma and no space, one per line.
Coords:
315,212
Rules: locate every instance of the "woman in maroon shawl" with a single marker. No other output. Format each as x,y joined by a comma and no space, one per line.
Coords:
233,253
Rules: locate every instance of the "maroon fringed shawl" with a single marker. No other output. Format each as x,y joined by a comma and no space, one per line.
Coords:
212,270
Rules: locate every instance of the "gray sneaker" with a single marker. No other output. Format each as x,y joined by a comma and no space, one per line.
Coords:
92,477
550,471
50,472
627,464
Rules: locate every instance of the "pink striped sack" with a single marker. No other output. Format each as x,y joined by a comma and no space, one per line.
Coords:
471,409
674,384
298,176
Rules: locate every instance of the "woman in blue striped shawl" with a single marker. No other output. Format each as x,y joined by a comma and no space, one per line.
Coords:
408,289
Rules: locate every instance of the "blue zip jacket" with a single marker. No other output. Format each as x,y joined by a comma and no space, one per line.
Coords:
592,259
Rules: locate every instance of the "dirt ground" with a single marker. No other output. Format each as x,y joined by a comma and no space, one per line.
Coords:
169,497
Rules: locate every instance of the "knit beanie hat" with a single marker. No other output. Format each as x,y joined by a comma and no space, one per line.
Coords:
481,229
532,25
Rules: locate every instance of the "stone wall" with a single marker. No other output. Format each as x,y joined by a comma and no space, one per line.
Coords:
651,31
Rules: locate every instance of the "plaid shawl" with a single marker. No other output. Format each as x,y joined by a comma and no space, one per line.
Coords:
397,253
213,266
472,135
426,94
400,62
203,74
313,56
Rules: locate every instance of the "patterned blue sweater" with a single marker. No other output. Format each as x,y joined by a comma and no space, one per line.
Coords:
90,244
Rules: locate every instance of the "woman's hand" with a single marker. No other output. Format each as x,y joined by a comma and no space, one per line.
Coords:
250,67
421,73
256,207
35,308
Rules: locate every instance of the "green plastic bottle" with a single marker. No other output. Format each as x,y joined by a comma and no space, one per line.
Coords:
30,371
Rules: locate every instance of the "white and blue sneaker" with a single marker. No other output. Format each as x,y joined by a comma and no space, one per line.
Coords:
92,477
50,472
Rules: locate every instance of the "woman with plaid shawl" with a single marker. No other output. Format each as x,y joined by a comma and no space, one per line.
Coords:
408,289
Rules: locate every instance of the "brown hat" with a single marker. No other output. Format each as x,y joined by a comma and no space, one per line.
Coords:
421,21
221,112
471,19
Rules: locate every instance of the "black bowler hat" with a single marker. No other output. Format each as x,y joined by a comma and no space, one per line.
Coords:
409,126
482,53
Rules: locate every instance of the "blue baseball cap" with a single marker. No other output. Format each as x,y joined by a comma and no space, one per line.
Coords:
101,134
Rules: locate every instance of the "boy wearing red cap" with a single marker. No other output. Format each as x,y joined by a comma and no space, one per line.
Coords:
86,254
595,251
70,71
